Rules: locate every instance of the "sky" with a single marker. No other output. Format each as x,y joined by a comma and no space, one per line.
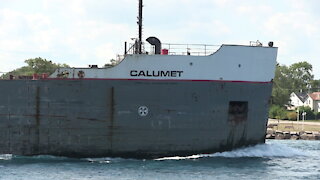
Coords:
83,32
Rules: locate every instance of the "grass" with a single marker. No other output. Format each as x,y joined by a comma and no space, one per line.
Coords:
312,120
296,127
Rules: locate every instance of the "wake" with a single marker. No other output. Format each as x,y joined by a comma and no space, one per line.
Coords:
257,151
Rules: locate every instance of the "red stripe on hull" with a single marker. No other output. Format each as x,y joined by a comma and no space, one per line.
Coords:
197,80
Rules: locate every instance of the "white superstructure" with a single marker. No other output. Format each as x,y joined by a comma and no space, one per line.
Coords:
229,63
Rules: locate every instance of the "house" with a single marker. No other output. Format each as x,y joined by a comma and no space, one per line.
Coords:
303,99
297,99
313,101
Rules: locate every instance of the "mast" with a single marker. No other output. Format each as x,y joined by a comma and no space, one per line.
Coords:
140,28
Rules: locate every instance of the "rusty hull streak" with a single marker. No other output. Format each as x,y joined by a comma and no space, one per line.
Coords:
170,110
90,119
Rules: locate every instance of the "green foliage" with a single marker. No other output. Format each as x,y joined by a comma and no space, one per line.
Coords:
280,92
310,114
39,65
292,115
112,63
300,76
315,85
290,79
277,112
317,115
36,65
280,96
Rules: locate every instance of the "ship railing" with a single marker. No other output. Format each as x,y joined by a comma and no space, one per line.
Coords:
256,43
171,49
132,49
177,49
190,49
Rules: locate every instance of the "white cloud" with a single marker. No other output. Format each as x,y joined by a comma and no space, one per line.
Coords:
24,31
254,10
298,35
298,4
79,40
298,22
73,7
216,27
105,52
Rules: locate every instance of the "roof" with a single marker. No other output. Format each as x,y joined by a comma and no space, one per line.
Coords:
302,96
315,96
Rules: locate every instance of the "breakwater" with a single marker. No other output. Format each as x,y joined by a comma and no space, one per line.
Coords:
301,135
279,129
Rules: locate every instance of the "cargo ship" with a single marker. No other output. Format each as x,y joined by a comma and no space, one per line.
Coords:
146,105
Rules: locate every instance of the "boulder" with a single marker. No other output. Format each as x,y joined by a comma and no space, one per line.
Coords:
294,137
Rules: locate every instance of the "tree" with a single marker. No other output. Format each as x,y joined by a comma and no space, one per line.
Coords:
290,79
315,85
309,113
281,84
39,65
112,63
277,112
300,76
36,65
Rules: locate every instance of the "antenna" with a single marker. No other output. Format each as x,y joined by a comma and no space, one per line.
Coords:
140,27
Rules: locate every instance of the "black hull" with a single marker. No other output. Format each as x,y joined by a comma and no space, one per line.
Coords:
100,118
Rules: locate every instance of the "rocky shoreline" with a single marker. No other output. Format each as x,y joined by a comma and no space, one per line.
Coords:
302,135
279,129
